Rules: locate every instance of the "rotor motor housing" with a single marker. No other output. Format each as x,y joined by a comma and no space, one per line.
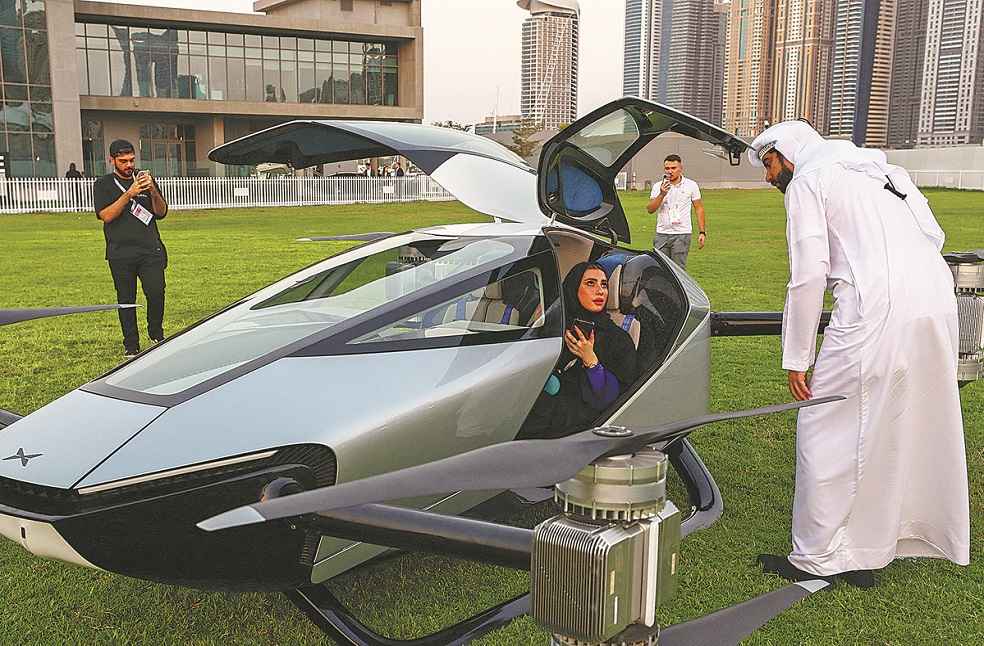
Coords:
968,279
611,558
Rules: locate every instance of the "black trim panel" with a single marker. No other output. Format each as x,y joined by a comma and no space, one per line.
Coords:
148,530
754,323
8,417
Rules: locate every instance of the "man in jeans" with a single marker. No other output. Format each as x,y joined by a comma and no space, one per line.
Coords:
129,205
672,198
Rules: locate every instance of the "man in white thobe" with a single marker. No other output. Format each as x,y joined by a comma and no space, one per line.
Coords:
882,474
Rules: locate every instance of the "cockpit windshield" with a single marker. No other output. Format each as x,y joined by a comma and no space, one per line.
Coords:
310,304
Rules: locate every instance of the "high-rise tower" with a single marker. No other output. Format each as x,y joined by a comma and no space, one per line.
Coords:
549,74
952,105
748,67
673,54
862,71
804,31
907,72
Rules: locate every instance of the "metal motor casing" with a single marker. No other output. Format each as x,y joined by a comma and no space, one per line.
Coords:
968,279
612,557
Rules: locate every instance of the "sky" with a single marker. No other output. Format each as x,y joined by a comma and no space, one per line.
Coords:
472,53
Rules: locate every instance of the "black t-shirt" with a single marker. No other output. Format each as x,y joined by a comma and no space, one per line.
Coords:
127,238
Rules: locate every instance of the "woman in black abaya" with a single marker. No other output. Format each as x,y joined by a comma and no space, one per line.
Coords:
595,365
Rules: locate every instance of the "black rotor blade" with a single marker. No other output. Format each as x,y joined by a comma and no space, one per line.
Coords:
509,465
729,626
8,317
356,237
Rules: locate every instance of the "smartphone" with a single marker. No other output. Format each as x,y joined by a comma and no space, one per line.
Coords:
137,173
586,327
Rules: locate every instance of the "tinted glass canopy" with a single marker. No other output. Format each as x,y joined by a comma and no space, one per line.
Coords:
578,166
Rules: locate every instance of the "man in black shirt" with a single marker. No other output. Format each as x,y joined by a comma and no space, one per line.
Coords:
129,206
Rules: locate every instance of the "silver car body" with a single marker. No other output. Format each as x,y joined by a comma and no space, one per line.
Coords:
376,411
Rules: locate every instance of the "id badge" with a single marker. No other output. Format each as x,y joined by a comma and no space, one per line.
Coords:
141,213
675,211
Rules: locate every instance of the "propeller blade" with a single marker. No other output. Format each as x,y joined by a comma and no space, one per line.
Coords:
729,626
8,317
508,465
357,237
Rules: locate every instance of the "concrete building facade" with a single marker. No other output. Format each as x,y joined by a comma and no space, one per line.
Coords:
804,32
498,123
862,71
549,62
952,101
178,82
908,55
748,67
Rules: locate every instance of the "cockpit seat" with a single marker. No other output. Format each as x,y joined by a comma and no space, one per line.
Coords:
496,309
627,322
480,305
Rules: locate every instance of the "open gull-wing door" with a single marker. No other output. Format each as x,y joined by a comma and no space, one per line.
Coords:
578,166
481,173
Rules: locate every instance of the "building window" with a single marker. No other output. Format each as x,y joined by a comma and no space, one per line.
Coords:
94,152
135,61
26,122
168,149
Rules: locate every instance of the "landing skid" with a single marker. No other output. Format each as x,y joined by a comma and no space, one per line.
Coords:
327,612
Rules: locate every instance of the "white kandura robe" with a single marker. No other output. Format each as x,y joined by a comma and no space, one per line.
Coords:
883,474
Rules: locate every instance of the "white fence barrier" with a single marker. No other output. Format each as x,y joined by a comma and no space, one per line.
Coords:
26,195
972,180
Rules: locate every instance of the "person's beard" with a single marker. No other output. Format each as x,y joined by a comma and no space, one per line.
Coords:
125,173
782,182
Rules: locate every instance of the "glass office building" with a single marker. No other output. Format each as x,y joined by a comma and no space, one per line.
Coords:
178,82
141,61
26,126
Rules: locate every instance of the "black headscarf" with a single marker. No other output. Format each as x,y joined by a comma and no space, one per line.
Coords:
568,411
613,345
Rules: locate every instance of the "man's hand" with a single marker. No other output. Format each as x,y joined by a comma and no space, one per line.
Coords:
134,190
701,237
665,187
144,181
798,386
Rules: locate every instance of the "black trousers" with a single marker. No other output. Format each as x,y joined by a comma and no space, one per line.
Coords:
150,270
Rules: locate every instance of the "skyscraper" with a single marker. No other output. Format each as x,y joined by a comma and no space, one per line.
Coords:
672,55
748,67
907,72
952,105
549,68
804,31
862,70
640,67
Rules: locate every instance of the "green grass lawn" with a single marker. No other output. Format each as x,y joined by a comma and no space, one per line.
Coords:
218,256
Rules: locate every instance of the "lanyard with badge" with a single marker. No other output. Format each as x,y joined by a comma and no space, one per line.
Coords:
138,210
673,197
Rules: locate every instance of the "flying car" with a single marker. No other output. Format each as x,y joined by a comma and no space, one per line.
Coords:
411,349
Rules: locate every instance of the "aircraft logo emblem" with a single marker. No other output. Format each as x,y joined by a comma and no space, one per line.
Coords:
23,457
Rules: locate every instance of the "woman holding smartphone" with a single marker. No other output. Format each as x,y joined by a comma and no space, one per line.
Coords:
598,361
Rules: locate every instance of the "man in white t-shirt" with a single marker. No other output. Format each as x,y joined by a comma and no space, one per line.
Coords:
672,198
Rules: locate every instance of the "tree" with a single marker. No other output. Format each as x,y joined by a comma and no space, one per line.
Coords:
454,125
523,144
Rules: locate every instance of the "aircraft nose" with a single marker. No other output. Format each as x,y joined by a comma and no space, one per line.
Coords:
60,443
41,539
